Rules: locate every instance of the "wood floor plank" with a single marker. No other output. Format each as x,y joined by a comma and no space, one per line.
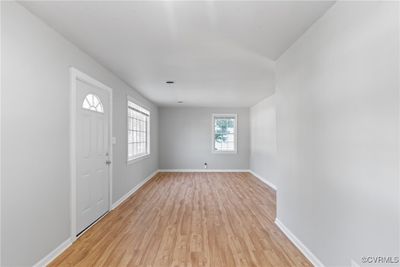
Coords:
189,219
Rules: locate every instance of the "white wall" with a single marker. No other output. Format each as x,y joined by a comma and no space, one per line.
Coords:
337,134
263,139
35,183
185,139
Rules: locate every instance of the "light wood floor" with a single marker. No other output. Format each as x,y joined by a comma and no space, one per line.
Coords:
189,219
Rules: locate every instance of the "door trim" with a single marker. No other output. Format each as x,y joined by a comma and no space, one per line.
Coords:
76,74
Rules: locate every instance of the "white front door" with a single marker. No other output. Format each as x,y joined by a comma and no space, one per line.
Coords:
92,153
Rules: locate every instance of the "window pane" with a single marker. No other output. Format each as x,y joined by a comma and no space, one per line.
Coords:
92,102
224,133
130,150
130,136
138,135
142,148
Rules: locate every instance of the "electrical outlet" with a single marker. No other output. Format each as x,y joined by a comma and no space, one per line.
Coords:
205,165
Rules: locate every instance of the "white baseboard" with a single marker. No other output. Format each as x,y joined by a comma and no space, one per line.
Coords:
306,252
262,179
204,170
63,246
52,255
133,190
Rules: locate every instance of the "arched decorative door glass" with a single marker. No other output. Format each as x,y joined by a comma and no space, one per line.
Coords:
92,102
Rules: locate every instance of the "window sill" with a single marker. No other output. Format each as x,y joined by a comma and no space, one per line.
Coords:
132,161
224,152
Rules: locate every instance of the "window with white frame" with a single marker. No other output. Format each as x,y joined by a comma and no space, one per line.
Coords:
138,131
224,132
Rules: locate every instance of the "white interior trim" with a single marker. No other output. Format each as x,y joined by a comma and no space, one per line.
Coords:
75,74
133,190
265,181
136,160
53,254
203,170
306,252
93,224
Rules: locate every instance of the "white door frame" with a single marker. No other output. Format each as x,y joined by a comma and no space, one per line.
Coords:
76,74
